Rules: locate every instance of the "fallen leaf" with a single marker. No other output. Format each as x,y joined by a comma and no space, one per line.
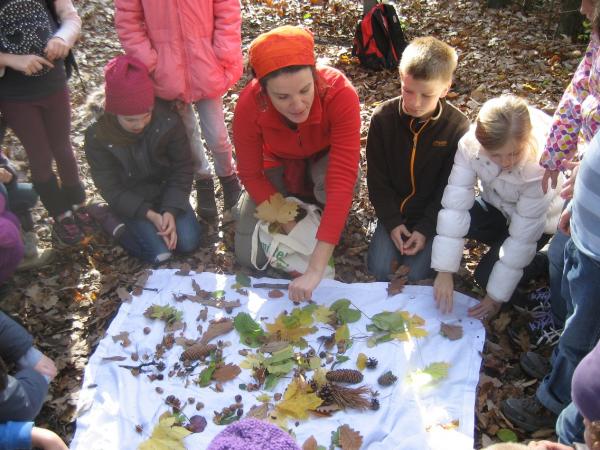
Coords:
297,401
123,336
310,444
166,435
361,361
275,293
349,439
124,295
452,332
277,209
506,435
215,329
114,358
226,373
396,286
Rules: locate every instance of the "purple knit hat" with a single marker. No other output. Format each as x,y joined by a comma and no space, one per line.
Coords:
252,434
585,387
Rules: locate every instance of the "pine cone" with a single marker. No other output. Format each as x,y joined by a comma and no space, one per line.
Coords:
372,363
325,394
374,404
387,379
350,376
197,351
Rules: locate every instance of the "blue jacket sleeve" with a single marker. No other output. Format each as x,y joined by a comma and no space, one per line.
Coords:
15,435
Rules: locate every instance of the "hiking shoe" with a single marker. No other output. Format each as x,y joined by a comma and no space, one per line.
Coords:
528,413
535,365
67,231
231,191
30,244
84,221
108,221
40,259
205,199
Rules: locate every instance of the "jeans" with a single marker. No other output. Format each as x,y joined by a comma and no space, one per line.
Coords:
556,260
569,426
141,240
489,226
21,198
581,291
383,252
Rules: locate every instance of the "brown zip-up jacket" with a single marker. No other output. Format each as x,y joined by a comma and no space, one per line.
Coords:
408,164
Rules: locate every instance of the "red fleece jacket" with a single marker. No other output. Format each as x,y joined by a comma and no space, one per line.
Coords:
262,137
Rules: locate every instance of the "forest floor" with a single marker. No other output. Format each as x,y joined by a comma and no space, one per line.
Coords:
68,305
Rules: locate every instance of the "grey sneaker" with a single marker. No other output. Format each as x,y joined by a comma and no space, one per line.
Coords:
205,198
528,413
34,257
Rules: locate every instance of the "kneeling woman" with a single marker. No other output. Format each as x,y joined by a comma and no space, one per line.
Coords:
141,163
297,131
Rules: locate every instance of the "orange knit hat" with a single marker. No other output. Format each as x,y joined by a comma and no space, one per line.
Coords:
282,47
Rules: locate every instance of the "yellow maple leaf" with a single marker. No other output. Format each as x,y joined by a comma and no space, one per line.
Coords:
298,400
166,435
284,333
323,314
277,209
414,328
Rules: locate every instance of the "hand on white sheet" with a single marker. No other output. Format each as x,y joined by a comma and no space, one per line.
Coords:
486,309
443,291
301,288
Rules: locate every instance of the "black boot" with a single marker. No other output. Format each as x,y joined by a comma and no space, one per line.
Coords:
231,191
205,199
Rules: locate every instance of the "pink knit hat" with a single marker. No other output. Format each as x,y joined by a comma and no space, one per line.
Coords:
252,434
129,90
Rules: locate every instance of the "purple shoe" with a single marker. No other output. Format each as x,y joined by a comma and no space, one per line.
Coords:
104,216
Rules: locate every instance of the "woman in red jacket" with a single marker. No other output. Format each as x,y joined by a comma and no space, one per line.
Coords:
296,130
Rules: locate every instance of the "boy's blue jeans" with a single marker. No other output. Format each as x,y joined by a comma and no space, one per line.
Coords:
581,291
21,198
569,426
383,251
556,263
141,240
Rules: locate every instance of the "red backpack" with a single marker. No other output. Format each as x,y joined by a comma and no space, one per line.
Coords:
379,40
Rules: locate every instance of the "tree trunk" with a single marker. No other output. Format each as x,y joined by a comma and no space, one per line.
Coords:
367,5
571,21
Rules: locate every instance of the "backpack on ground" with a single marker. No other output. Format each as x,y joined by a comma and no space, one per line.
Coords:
379,40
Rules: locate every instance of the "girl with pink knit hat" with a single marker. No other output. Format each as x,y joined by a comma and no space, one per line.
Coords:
141,163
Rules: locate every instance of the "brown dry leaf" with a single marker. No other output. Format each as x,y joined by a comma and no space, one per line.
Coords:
310,444
501,322
203,314
401,272
396,286
349,439
452,332
124,295
123,336
275,293
215,329
259,412
184,270
114,358
137,291
226,373
143,278
274,346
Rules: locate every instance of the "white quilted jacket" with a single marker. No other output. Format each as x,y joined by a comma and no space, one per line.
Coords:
517,193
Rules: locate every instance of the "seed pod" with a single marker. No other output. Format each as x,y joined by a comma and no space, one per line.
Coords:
350,376
387,379
375,404
197,351
372,363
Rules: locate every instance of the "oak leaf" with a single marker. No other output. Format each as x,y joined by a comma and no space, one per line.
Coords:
349,439
226,373
452,332
123,336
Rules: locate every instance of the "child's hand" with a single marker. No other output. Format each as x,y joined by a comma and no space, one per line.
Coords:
46,440
28,64
443,291
56,48
564,222
169,230
5,176
569,185
487,308
46,366
397,237
415,243
547,445
552,176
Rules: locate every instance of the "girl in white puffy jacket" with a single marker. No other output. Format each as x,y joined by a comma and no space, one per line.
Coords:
511,214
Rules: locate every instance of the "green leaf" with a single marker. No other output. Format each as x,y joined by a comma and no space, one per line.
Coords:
250,331
437,370
342,303
506,435
383,338
372,342
348,315
281,355
218,294
389,321
243,280
314,362
281,368
341,358
205,377
342,333
271,381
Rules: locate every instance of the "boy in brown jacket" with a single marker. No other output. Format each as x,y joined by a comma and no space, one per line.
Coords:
410,151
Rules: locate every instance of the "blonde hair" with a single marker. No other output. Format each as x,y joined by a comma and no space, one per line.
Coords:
506,446
506,119
428,58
